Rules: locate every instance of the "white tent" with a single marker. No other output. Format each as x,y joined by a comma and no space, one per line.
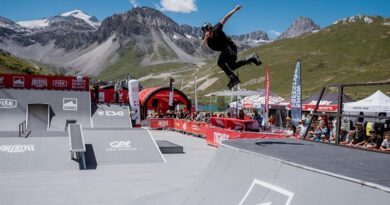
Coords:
376,103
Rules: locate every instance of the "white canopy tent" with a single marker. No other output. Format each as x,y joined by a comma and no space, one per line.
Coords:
372,105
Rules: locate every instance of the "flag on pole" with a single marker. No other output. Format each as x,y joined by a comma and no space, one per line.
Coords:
170,102
296,97
267,91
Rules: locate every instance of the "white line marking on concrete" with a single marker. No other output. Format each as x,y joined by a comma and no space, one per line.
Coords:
280,190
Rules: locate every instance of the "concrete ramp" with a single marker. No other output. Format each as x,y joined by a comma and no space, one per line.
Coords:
110,116
35,154
285,172
64,105
135,146
38,117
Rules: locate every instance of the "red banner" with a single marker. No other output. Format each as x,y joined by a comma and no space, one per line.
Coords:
43,82
215,135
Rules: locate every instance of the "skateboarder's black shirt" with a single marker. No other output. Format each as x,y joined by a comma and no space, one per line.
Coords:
219,41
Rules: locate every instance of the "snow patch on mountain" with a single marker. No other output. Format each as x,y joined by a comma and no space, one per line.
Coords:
34,24
91,20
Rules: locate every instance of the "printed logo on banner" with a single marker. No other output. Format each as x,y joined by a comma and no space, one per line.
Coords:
219,137
163,123
8,103
120,146
60,83
39,82
111,113
114,114
2,84
184,126
17,148
78,83
69,104
18,81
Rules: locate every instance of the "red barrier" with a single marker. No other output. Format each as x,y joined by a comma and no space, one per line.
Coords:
215,135
234,124
43,82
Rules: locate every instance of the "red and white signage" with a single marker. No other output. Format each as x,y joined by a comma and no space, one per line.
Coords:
43,82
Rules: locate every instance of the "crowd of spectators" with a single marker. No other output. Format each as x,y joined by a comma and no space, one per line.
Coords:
368,135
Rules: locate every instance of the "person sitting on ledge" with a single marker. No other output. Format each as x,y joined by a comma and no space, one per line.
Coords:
385,146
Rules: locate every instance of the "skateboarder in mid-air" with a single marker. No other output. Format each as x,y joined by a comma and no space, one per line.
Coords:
217,40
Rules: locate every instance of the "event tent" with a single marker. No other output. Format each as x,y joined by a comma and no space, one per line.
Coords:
376,103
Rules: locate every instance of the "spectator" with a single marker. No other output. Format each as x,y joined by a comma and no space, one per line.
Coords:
348,137
117,89
321,133
257,117
288,122
359,135
96,92
371,141
301,129
271,120
241,114
134,116
385,146
290,132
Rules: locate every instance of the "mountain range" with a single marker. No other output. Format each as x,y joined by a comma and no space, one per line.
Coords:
75,42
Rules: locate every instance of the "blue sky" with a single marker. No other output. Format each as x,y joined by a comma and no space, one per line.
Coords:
266,15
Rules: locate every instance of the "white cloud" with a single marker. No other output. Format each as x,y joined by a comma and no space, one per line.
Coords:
181,6
134,3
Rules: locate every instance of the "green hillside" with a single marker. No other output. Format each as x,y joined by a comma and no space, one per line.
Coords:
11,64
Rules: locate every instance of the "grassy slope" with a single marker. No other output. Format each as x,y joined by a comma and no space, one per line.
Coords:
11,64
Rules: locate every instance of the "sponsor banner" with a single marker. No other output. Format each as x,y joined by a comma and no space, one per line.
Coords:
133,97
120,146
296,97
321,108
17,148
69,104
8,103
43,82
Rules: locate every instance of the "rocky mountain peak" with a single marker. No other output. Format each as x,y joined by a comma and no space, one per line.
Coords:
152,17
300,26
252,39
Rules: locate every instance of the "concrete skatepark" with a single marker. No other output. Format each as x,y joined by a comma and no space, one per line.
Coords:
125,166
